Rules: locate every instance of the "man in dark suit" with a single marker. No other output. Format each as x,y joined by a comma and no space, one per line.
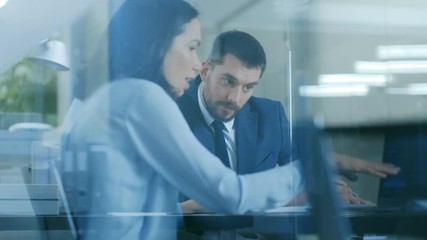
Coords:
223,91
256,130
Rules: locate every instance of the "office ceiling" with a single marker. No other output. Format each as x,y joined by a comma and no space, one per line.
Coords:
273,14
349,15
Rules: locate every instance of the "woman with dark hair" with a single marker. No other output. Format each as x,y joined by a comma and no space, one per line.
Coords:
138,149
140,52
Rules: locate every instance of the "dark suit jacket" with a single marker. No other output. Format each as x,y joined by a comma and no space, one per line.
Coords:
262,131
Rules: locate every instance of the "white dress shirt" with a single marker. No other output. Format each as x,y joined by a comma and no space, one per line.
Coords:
229,130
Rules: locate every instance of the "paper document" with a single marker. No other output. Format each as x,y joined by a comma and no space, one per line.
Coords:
289,209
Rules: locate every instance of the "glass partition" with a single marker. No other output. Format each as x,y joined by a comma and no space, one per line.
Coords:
344,85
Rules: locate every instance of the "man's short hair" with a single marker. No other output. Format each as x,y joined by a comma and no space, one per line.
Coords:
241,45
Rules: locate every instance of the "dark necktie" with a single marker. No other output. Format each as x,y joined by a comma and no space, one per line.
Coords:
220,146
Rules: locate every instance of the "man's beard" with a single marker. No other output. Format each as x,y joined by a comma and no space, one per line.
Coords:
227,105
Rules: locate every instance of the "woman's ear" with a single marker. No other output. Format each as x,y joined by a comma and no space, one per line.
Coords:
205,70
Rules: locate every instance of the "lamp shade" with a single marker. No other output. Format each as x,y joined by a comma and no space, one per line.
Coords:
52,54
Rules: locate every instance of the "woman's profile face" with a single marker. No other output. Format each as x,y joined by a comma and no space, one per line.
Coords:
181,63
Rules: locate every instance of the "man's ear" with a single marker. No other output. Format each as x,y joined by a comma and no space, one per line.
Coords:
205,70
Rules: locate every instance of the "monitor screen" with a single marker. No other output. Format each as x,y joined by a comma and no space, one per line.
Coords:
405,146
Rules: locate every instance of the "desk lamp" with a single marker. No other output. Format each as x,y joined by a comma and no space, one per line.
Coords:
51,53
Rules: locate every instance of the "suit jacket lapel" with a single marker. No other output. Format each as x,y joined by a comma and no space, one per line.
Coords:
246,139
199,127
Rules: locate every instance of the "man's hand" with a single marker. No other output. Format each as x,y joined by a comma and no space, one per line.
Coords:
349,166
347,195
344,192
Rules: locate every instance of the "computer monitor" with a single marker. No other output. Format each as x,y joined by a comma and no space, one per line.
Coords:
405,146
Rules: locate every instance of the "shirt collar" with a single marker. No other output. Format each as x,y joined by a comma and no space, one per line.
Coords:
207,116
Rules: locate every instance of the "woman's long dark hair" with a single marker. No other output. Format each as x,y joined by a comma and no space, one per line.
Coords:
141,34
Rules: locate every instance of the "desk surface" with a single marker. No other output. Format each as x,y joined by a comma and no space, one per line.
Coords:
392,223
361,222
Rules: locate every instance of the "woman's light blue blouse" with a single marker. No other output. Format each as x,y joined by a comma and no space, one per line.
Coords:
148,154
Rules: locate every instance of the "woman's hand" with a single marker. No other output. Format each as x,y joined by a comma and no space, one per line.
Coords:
191,206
